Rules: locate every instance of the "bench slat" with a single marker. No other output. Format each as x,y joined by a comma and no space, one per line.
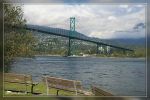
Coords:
100,92
18,78
62,84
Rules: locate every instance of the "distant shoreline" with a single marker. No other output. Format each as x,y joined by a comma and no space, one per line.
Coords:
87,56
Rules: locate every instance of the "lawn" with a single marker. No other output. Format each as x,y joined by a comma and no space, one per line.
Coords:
40,88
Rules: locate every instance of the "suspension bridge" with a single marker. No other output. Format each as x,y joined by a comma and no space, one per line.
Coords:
71,34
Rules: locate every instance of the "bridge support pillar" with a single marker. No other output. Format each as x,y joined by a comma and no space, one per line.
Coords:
69,47
97,48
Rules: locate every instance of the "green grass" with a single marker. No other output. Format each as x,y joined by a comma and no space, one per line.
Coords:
40,88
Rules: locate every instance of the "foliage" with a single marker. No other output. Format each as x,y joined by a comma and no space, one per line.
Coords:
140,52
13,15
17,42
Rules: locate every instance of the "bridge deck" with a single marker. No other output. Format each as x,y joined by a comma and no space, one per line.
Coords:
65,33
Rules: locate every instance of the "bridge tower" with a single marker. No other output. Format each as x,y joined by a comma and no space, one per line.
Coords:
72,30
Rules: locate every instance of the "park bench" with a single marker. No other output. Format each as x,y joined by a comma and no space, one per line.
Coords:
99,92
62,84
25,81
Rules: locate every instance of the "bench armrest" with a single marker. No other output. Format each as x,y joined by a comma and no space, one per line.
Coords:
35,83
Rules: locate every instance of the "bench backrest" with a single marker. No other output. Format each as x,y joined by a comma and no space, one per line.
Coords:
17,78
64,84
99,92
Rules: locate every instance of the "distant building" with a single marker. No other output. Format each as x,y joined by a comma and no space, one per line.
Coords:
108,49
101,49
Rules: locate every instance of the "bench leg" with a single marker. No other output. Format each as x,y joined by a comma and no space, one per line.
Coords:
32,89
57,92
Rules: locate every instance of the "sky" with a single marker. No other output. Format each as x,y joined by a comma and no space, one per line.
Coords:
100,21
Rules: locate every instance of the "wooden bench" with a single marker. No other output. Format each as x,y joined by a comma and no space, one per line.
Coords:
62,84
99,92
23,80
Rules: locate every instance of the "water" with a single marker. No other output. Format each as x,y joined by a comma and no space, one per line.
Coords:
120,76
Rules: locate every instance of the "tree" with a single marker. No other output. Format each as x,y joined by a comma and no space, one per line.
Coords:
13,15
17,42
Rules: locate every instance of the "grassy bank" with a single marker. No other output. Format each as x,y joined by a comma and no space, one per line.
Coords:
40,88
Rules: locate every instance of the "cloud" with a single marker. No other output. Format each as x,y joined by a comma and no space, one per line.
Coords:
102,21
124,6
117,1
139,26
112,18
